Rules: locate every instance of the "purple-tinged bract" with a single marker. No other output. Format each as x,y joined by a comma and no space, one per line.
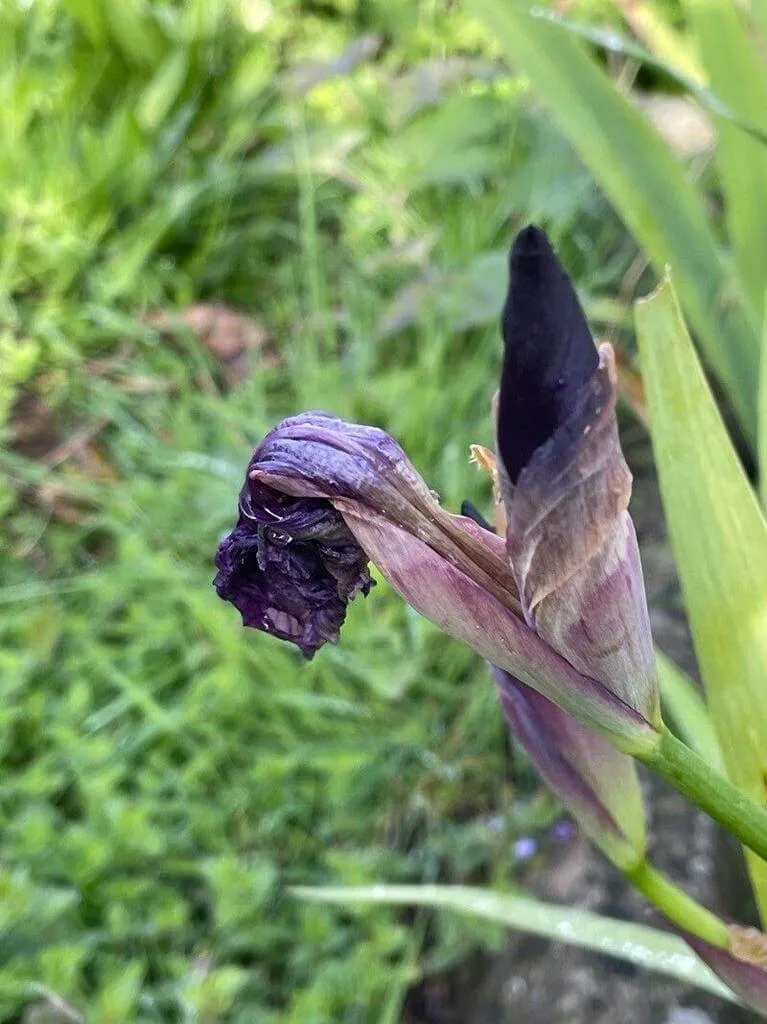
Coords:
595,781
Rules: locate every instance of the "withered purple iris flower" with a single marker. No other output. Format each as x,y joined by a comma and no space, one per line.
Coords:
558,603
290,566
554,602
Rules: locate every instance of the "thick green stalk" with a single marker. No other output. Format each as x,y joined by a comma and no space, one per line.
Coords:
712,792
678,906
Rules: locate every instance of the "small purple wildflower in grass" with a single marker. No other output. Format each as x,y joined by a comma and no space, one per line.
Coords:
563,831
525,848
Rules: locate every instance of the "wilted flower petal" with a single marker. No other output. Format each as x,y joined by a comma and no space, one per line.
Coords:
320,456
595,782
290,566
570,539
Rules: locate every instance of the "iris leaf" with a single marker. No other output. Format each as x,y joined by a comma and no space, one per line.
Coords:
725,42
616,43
635,943
719,538
762,448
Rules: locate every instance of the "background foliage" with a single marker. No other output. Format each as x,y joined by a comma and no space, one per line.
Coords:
213,214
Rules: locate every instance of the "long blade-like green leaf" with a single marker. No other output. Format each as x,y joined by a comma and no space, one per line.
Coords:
719,537
652,22
616,43
762,427
646,184
726,43
636,943
758,11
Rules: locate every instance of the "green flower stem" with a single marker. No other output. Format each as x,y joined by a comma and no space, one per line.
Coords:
678,906
712,792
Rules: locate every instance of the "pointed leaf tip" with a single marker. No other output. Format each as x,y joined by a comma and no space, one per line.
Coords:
663,286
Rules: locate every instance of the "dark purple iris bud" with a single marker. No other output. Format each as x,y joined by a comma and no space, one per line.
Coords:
549,352
566,486
291,566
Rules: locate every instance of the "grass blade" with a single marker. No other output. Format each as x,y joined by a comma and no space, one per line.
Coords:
762,430
652,23
646,184
725,43
719,537
615,43
635,943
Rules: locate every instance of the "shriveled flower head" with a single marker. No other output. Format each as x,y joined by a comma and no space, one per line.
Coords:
291,566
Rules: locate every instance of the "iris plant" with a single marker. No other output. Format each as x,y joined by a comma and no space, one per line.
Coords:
552,596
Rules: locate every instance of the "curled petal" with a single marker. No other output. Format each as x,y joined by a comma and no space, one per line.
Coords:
316,455
595,782
291,564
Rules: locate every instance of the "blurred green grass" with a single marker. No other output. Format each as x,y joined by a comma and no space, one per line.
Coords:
163,773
